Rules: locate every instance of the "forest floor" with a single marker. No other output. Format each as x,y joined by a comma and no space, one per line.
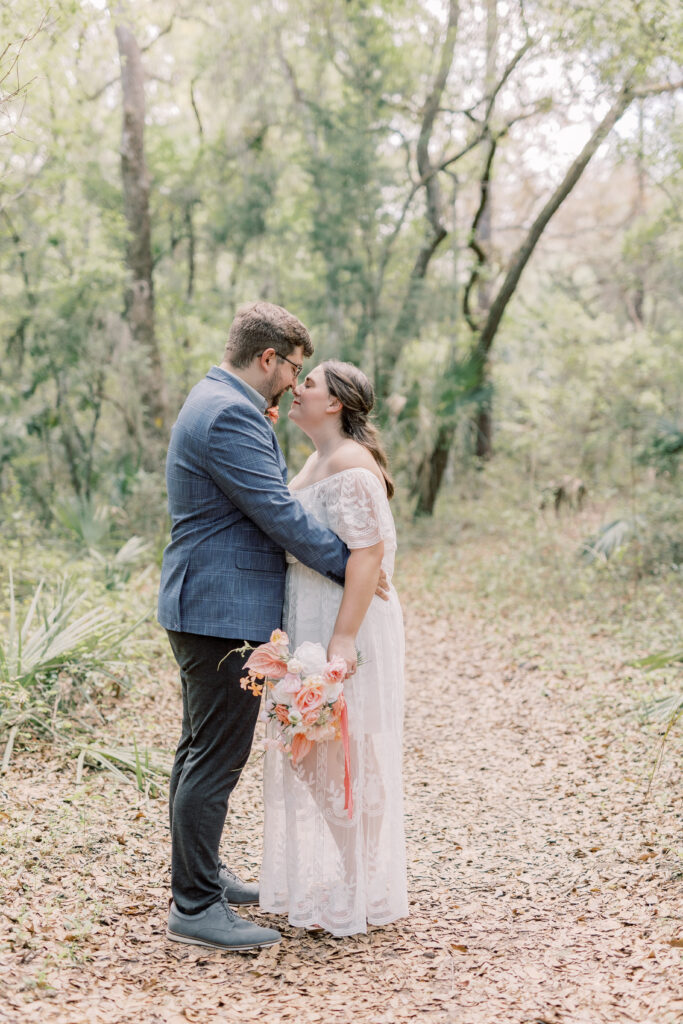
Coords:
544,885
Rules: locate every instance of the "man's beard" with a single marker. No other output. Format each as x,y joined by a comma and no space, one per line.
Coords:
273,398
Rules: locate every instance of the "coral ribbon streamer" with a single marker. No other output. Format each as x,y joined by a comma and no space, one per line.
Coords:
348,795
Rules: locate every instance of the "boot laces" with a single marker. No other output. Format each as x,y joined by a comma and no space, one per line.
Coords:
228,909
224,867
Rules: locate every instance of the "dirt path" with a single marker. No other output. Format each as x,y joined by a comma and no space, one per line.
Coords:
543,888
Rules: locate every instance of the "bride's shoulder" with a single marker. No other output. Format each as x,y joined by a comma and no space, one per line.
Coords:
352,455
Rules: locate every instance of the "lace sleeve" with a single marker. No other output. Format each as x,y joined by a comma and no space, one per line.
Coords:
360,511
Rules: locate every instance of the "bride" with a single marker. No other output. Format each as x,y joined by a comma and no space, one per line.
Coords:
321,868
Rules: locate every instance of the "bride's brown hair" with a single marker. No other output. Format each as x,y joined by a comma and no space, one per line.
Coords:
355,392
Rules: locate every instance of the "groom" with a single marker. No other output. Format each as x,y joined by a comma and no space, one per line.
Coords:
222,583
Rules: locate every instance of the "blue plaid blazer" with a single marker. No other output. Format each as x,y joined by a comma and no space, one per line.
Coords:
232,517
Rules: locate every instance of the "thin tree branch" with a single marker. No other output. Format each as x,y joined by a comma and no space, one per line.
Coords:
90,96
656,88
162,32
195,108
473,241
523,254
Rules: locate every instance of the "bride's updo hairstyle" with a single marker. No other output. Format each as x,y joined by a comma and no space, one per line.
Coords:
355,392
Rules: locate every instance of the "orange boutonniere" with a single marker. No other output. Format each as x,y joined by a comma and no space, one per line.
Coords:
273,414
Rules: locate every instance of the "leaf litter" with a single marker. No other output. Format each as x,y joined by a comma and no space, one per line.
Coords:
543,887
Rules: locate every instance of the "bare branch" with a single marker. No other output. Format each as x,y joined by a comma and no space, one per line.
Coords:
473,241
389,244
523,254
19,90
510,67
15,57
430,110
195,108
90,96
656,88
447,161
301,100
430,182
160,33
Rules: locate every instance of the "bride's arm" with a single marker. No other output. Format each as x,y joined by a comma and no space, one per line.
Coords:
362,573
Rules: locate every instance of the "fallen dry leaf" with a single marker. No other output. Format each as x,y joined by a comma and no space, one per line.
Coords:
530,850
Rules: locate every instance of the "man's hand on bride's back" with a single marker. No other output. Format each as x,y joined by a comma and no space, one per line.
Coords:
382,586
342,646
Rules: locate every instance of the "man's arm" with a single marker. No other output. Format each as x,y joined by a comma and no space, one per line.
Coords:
243,463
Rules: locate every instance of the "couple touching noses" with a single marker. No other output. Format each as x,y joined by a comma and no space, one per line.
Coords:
247,555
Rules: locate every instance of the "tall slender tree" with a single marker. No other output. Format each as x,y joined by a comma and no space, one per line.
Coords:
139,297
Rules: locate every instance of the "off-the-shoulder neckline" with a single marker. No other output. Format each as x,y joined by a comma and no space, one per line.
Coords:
350,469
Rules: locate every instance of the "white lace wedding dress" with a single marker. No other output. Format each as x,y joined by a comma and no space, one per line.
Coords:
319,867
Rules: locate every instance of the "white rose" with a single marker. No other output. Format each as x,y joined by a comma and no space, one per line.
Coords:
296,722
312,657
332,692
294,666
291,683
281,694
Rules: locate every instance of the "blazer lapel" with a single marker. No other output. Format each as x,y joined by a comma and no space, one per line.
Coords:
280,457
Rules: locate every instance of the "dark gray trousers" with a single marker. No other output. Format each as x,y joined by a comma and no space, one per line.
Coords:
219,718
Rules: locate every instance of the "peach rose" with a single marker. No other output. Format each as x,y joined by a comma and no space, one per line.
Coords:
308,701
266,659
336,670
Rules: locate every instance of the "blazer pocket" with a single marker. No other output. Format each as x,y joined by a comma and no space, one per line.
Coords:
262,561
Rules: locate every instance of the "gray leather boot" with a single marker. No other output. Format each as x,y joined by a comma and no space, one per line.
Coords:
218,927
237,892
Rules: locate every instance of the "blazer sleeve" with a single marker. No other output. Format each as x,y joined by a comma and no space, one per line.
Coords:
242,461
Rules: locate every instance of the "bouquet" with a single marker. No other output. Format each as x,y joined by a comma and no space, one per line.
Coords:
304,698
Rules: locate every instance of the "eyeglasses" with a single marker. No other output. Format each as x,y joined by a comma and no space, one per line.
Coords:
295,366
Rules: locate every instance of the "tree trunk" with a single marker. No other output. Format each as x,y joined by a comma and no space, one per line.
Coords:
431,470
483,417
483,423
473,369
409,313
523,254
638,215
139,296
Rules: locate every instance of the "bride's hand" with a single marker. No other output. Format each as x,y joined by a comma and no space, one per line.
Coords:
382,586
341,646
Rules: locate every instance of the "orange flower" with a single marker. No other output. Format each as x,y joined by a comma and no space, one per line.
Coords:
273,414
300,747
282,712
266,660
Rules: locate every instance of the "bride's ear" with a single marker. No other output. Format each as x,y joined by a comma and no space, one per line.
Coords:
333,404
